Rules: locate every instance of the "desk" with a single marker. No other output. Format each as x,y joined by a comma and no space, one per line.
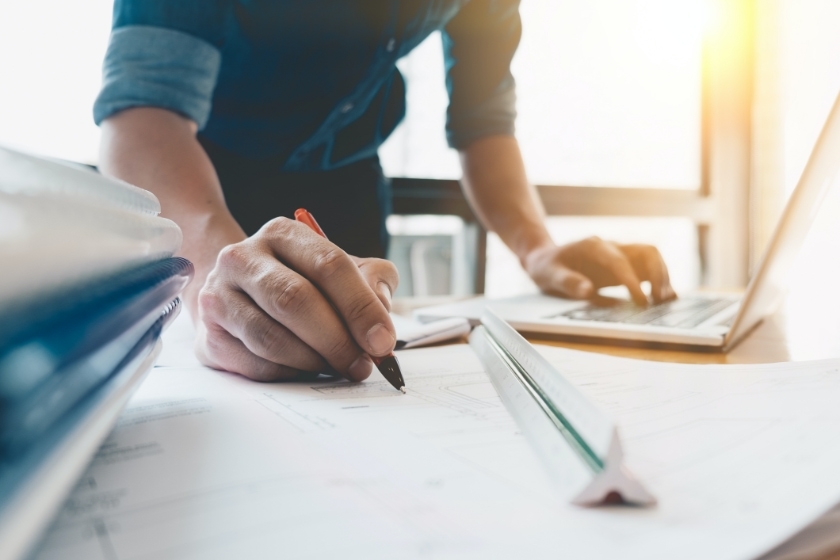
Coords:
807,327
204,456
788,335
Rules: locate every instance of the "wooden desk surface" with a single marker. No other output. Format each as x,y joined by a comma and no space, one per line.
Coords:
788,335
806,327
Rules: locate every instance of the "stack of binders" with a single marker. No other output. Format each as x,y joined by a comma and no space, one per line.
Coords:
87,283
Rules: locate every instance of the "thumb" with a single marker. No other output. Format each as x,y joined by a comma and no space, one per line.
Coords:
571,284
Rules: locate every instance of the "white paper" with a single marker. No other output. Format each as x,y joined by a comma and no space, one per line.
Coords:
413,334
205,464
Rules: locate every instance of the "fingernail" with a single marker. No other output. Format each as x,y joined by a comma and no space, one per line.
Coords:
361,368
385,291
380,340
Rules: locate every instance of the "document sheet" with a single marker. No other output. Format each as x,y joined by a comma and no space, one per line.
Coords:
413,334
206,464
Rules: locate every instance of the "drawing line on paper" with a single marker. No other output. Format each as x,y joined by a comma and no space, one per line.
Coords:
470,394
104,538
300,421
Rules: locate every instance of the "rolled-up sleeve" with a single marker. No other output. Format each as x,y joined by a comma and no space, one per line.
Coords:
478,45
158,67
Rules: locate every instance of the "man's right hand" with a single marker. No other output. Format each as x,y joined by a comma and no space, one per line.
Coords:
286,301
271,306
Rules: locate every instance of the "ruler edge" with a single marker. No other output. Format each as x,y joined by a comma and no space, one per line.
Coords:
615,477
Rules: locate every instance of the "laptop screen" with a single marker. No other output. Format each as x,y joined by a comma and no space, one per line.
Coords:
770,281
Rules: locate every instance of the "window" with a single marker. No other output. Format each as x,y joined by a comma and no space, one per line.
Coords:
418,148
609,95
809,77
50,65
613,93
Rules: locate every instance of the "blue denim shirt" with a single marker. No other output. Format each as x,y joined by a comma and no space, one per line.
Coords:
311,82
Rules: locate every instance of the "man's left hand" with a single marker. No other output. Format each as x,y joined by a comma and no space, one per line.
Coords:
579,269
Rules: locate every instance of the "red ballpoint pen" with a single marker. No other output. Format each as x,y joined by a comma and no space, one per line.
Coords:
387,365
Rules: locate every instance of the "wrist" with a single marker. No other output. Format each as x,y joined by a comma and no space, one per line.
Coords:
531,243
204,238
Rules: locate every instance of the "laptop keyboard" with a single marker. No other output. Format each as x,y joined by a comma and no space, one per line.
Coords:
680,313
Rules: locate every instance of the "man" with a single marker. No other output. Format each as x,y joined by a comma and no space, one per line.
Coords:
234,113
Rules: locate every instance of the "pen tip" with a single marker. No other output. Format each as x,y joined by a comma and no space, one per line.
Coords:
390,369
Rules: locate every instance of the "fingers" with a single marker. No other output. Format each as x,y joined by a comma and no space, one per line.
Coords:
286,301
264,337
291,300
568,283
216,348
649,265
381,276
609,257
579,269
325,266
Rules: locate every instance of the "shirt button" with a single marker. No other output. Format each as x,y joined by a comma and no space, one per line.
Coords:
391,44
347,107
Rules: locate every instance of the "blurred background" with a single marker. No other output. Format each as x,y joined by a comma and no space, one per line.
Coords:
681,123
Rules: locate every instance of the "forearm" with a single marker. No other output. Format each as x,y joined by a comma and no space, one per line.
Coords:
157,150
497,188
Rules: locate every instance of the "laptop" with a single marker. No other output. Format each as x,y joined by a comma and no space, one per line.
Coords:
700,320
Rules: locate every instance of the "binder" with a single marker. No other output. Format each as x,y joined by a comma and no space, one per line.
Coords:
37,177
87,285
34,484
53,352
48,242
62,224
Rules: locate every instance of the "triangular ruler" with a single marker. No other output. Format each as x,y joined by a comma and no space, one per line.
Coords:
577,442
